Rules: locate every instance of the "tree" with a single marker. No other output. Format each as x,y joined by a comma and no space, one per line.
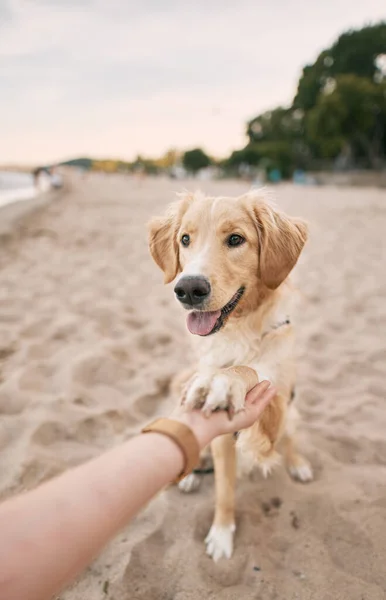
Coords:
354,53
277,137
353,113
194,160
82,163
276,125
339,109
247,156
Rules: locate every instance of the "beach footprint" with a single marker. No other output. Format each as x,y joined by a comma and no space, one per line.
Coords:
144,578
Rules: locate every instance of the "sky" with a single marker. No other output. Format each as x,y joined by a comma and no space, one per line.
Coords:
118,78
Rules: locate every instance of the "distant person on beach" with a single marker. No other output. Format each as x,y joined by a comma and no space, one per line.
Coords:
36,174
50,534
42,179
56,178
45,179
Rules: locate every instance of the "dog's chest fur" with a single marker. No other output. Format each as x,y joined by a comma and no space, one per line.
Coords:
230,347
242,341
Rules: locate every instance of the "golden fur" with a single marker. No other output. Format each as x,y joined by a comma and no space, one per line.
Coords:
251,335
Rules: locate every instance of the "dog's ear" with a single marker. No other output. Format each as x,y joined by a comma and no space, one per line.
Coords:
163,243
281,240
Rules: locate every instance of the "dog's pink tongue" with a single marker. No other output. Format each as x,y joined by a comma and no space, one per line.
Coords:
202,323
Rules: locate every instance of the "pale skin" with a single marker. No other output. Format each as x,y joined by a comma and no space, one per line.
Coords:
50,534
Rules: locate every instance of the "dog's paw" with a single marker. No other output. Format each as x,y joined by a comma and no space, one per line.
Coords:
212,391
219,541
268,464
190,483
301,470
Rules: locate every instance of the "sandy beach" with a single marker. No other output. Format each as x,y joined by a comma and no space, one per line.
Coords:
90,339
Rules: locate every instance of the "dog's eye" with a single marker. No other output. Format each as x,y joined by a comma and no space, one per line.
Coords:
185,240
235,240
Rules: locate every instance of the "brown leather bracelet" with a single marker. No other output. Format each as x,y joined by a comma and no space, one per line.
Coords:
183,436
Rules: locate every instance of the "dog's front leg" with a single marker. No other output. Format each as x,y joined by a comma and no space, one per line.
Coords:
210,390
219,540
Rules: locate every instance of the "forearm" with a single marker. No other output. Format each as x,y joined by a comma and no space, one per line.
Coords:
47,536
50,534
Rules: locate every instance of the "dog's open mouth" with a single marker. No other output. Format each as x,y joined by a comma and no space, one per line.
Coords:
201,322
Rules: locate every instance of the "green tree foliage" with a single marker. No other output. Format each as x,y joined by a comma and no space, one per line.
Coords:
82,163
339,108
247,156
354,53
352,115
266,155
277,138
194,160
275,125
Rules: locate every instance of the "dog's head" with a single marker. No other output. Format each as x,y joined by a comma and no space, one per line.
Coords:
226,253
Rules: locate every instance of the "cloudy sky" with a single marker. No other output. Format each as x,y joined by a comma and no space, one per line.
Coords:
114,78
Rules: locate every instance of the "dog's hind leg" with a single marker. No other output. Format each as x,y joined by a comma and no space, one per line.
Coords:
298,467
258,444
192,482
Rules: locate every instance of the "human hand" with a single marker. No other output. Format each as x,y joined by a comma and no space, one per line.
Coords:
218,423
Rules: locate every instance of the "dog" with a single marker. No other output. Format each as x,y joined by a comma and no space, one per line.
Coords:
230,259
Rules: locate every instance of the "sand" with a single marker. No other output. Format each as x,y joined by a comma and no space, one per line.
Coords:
90,339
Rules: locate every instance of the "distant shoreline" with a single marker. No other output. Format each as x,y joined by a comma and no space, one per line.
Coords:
19,195
16,186
13,213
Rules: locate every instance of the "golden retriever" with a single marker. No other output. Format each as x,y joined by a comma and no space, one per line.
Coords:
231,258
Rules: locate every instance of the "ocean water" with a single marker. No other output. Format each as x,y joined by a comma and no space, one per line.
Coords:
16,186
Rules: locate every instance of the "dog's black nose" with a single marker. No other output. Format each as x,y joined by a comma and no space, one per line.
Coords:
192,290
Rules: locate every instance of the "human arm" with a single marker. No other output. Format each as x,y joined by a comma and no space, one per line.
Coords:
48,535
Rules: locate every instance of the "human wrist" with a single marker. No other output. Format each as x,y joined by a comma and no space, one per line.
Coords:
187,438
201,426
